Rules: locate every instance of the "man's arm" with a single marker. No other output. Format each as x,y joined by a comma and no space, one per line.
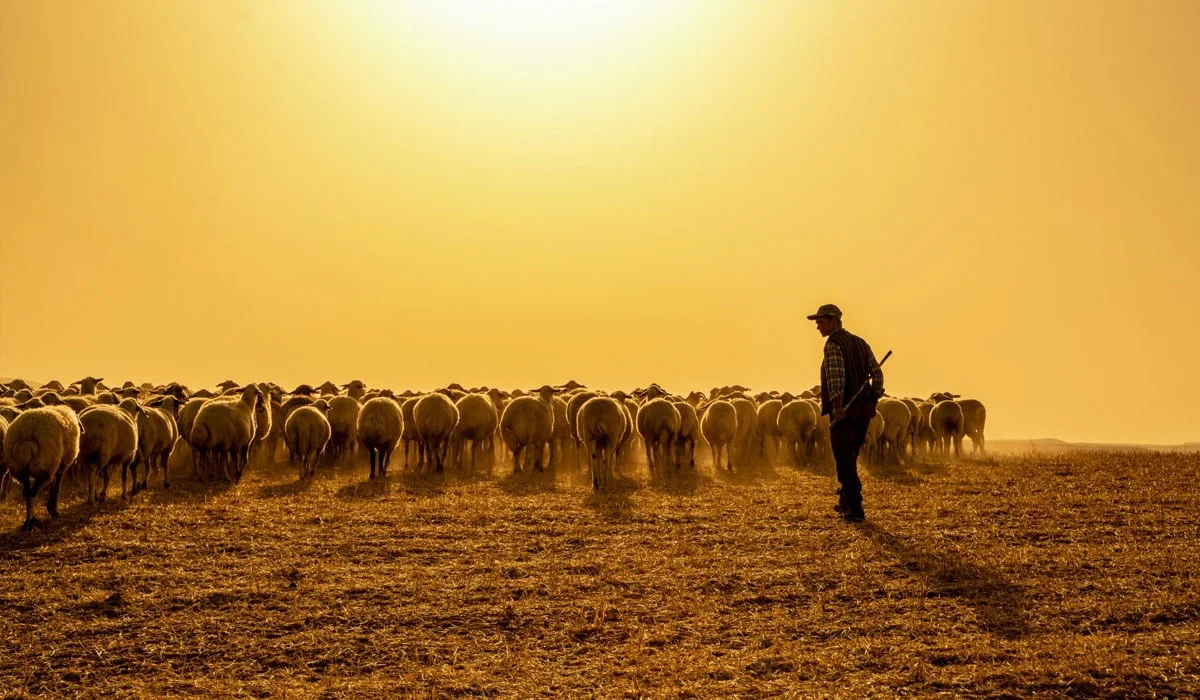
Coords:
835,376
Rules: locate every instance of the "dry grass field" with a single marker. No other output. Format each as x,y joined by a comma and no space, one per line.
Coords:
1071,574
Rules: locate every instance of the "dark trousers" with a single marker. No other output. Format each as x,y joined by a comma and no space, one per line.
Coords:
847,439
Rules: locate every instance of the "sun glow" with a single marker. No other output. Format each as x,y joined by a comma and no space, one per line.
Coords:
549,32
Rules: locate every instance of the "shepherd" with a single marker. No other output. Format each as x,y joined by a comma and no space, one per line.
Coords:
849,374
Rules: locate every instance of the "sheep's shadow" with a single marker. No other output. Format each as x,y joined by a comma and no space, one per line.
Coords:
910,474
287,488
186,491
686,482
528,482
614,503
747,473
368,490
49,530
1000,604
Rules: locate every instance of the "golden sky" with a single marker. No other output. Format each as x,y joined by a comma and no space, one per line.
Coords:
1005,193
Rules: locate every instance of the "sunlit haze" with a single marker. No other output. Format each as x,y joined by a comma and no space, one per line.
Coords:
1005,194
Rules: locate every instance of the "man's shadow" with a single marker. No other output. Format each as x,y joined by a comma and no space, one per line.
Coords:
1000,604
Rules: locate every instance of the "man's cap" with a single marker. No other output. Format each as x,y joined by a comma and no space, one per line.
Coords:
827,310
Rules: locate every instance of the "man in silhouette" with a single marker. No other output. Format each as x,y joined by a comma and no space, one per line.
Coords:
848,366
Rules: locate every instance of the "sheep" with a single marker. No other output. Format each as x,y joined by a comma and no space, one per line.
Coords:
343,425
689,431
797,424
110,438
874,430
562,437
3,469
914,425
946,422
157,431
896,419
574,403
974,419
747,421
38,447
306,433
87,385
380,425
436,415
528,423
925,437
658,424
767,427
225,428
409,437
601,423
719,426
264,426
477,423
355,389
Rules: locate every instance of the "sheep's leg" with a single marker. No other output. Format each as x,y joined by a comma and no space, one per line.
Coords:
125,469
729,458
224,458
30,490
166,474
90,472
517,458
52,499
103,495
650,457
385,460
371,457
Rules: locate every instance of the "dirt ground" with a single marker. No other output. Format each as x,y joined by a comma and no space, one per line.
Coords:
1071,574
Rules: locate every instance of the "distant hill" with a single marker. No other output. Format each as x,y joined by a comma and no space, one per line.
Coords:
1056,445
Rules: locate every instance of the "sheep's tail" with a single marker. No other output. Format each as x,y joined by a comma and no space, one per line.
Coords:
201,434
24,452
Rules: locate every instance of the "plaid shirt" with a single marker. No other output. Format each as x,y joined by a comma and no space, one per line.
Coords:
833,370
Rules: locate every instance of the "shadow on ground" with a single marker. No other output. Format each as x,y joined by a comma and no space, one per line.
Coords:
903,474
1000,604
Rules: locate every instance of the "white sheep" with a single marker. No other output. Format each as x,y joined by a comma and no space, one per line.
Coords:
874,430
689,431
380,425
896,419
110,438
4,478
436,415
477,423
410,439
797,424
528,424
601,423
974,420
719,426
224,430
306,433
575,402
343,426
767,428
38,447
946,421
747,421
157,431
658,424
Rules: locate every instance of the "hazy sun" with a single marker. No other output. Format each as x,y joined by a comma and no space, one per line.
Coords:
545,30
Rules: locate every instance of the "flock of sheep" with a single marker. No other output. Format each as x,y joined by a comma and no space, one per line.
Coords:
88,429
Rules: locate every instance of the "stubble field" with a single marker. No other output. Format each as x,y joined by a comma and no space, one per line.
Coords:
1070,574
